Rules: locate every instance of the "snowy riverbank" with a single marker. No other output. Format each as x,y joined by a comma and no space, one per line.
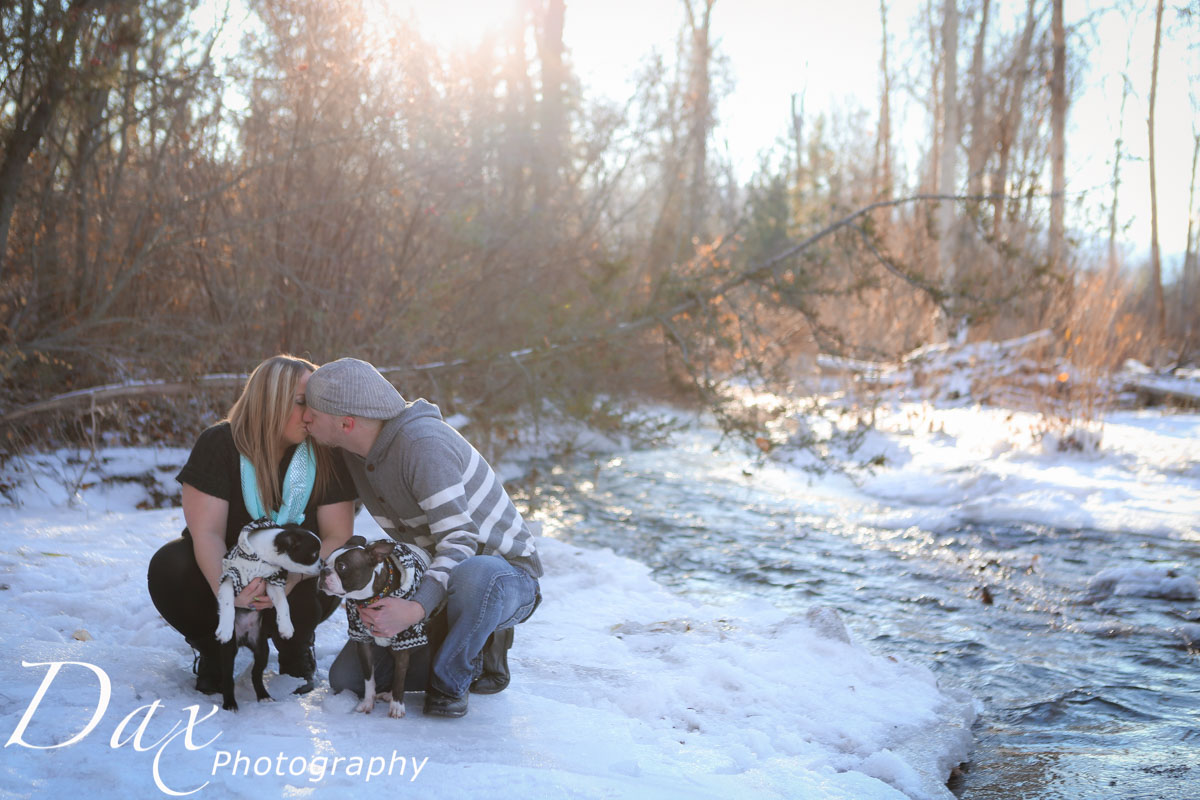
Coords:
621,688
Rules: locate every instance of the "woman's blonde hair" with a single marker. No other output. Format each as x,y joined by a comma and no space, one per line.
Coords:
258,419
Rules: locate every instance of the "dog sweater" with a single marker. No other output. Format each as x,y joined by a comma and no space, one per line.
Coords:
241,566
405,571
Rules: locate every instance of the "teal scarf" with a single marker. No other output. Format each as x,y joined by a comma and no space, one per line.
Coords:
297,487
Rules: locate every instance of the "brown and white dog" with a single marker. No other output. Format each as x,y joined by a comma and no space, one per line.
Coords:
363,573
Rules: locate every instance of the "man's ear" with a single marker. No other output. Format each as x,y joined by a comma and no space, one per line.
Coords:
348,424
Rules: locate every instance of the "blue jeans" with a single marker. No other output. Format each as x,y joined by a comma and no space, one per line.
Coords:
485,594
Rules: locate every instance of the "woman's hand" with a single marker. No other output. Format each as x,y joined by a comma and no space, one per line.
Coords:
254,596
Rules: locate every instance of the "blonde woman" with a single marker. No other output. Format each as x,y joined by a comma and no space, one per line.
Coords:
258,462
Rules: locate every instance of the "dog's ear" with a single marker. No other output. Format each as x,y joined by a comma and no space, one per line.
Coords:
355,541
381,549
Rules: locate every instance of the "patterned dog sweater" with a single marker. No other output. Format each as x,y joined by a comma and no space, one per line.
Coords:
404,572
242,565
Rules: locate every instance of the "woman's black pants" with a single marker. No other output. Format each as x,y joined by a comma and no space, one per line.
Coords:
181,594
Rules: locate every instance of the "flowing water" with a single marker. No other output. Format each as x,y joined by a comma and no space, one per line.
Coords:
1083,697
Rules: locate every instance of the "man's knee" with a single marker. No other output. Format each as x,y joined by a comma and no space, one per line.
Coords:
478,568
473,580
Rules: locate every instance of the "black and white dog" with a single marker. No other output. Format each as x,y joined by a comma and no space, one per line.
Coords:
363,573
268,551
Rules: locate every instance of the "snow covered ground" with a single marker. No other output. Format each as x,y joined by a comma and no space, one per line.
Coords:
946,467
621,688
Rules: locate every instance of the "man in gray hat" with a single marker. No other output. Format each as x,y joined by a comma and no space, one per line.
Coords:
428,487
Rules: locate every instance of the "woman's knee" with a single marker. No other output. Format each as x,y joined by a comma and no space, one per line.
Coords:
179,590
173,570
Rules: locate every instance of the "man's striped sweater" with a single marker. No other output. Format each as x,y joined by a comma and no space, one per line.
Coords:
427,486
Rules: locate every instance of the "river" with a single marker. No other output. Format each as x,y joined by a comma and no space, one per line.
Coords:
1082,697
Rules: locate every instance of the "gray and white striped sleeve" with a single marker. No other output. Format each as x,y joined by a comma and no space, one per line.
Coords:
440,483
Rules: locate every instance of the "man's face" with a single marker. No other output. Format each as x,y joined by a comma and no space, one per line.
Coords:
325,428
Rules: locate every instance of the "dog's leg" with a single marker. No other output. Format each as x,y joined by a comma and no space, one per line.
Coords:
368,670
225,611
399,671
260,662
228,656
283,614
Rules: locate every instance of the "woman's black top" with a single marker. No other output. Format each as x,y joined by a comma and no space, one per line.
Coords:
214,468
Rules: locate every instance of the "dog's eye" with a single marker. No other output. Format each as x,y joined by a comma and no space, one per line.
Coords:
341,567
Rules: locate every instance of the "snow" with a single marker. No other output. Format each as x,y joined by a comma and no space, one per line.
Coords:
621,688
1142,582
977,465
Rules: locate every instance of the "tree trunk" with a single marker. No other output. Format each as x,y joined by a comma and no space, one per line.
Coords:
1119,148
1011,121
552,111
1187,295
981,135
951,134
1058,124
27,132
1155,259
700,112
884,145
798,138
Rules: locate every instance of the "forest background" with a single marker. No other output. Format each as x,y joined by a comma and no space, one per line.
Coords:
472,219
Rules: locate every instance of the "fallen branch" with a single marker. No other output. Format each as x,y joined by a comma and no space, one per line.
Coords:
1163,389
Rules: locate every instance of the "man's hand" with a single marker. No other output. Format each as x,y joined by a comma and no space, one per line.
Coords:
389,616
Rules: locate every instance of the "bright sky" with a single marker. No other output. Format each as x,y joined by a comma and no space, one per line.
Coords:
829,52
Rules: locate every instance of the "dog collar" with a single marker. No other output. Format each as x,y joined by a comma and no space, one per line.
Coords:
387,586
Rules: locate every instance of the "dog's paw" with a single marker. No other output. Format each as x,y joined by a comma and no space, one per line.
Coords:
230,705
286,629
384,696
366,706
266,698
225,631
396,709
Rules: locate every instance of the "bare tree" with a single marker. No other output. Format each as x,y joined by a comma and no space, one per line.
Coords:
45,57
1118,153
981,133
1058,125
1155,258
1188,293
1012,108
883,155
548,26
699,22
951,134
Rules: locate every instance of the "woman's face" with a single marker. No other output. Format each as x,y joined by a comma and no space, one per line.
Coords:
293,429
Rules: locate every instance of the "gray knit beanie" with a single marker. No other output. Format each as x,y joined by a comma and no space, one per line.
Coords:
352,388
